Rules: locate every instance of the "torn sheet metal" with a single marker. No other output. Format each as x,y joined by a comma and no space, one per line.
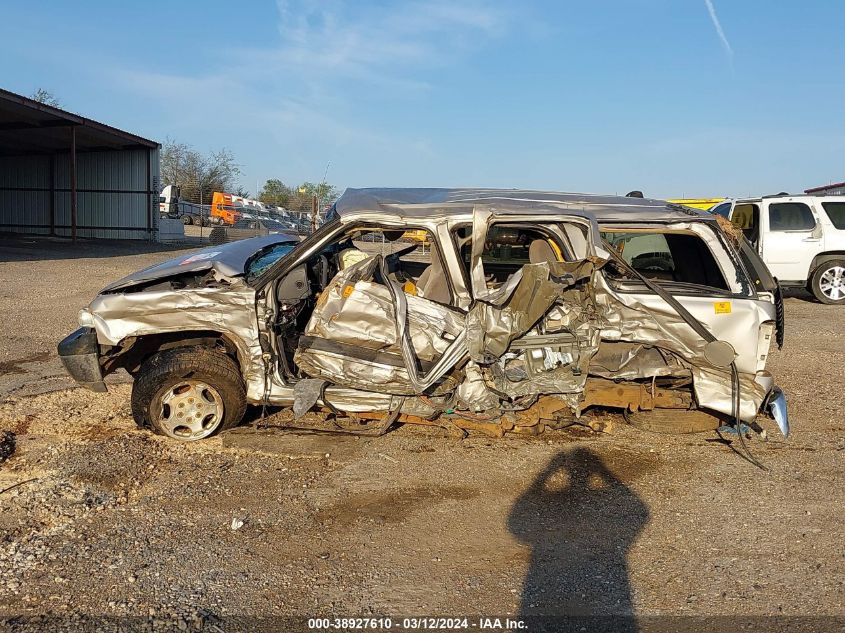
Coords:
494,323
632,361
306,394
713,391
351,338
627,319
359,401
226,307
473,394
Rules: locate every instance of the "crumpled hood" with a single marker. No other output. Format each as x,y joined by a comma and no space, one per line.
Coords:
227,259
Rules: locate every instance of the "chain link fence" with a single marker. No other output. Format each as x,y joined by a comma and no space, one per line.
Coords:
192,217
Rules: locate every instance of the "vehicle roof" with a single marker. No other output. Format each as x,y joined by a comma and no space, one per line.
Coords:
420,203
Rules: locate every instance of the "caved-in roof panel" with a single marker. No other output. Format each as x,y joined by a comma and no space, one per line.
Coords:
421,202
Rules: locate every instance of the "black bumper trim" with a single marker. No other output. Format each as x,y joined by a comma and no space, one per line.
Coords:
79,352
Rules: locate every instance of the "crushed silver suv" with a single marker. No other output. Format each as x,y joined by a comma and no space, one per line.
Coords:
473,309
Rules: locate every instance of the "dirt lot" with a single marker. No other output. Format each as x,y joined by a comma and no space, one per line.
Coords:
112,521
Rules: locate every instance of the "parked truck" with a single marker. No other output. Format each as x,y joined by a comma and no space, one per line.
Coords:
227,208
171,205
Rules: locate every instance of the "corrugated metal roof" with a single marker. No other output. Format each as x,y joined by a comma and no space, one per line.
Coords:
835,185
30,127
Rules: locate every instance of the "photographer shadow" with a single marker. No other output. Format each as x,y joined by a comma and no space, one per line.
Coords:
580,521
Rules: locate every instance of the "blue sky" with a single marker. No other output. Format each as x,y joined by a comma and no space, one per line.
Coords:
600,96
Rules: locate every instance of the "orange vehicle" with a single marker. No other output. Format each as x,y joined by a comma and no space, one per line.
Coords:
224,208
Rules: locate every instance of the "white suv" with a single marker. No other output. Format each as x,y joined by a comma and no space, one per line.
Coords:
800,238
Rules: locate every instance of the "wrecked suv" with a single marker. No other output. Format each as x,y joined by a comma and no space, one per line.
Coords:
511,311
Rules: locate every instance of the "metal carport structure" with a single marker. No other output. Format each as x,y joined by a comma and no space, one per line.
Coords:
65,175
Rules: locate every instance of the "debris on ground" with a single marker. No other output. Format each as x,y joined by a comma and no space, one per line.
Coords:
7,445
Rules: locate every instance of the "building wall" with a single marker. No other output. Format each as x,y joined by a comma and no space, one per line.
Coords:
831,191
25,193
113,200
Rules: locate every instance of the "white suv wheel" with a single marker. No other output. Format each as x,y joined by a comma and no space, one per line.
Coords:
828,282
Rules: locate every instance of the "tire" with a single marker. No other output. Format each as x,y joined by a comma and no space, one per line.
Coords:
201,384
675,421
828,282
187,220
780,317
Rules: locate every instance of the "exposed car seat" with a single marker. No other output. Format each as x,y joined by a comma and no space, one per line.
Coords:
540,251
432,282
349,256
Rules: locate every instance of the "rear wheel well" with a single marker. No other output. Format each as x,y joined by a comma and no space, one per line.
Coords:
132,351
822,258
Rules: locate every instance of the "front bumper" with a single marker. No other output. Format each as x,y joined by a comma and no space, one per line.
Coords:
80,355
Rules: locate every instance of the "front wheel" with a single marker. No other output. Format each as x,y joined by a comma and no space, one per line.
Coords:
188,393
828,282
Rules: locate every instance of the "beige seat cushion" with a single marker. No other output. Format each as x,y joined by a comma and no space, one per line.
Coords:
540,251
432,282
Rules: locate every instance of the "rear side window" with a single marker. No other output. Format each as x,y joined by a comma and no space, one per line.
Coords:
669,257
836,212
647,253
790,216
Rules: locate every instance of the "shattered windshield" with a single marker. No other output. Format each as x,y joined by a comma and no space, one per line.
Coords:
263,260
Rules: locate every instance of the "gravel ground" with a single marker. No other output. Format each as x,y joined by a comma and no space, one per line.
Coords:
113,521
43,285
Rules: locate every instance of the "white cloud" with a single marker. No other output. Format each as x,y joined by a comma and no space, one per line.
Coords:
718,26
380,43
308,89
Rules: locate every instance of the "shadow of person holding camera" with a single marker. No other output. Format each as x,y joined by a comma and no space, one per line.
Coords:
580,521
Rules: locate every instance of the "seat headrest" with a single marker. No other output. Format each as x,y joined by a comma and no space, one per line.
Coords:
540,251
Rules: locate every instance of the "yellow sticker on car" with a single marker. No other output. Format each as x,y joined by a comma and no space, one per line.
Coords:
722,307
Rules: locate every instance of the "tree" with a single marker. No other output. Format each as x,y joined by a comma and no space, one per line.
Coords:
304,194
241,191
297,198
198,175
275,192
46,97
326,193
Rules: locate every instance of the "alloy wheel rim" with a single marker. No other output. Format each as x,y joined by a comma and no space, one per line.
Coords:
832,283
190,410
